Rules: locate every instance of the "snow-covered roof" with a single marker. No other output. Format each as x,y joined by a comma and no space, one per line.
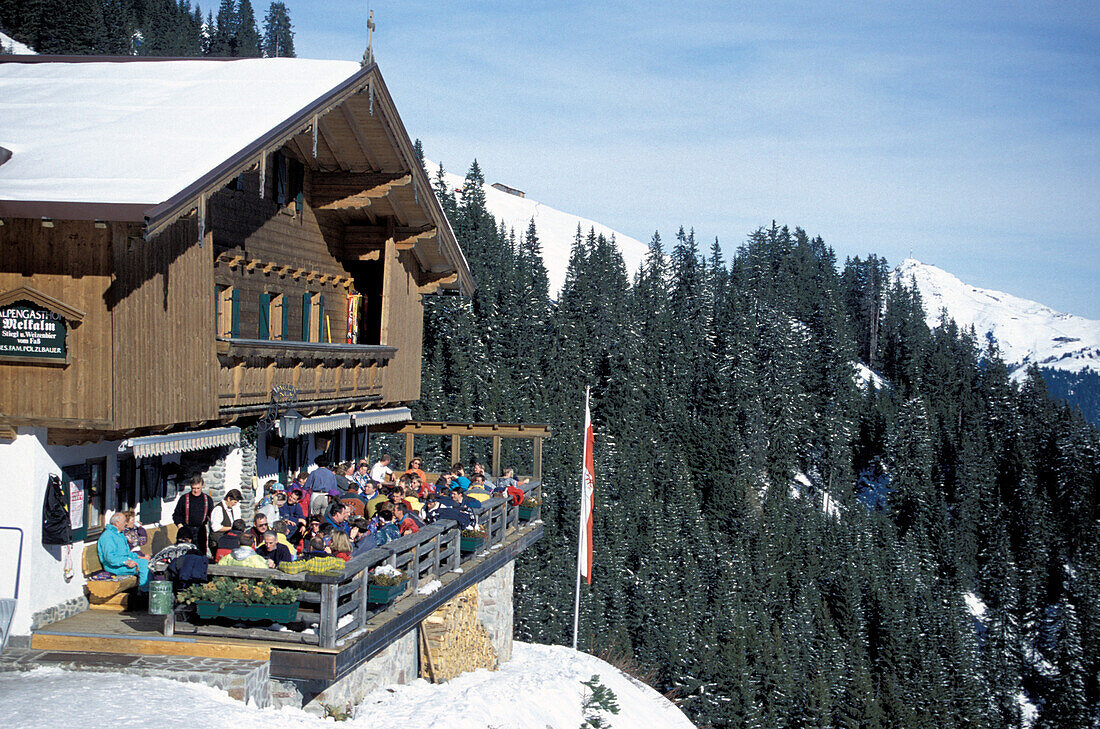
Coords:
138,132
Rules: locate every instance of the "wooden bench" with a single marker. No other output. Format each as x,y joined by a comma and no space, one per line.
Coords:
113,594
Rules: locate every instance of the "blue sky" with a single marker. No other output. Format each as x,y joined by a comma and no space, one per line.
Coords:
965,132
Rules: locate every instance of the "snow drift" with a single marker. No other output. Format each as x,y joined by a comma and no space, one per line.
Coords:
539,688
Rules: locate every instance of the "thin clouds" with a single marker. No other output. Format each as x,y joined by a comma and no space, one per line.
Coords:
968,132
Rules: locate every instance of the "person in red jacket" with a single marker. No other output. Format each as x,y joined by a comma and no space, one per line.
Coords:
406,522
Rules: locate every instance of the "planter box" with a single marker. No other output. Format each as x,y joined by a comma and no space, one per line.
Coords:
382,594
527,512
472,544
240,611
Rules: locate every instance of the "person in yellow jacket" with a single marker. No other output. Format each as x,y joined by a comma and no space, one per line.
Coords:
244,555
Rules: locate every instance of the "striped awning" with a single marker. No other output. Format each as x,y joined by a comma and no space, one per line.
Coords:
197,440
323,423
377,417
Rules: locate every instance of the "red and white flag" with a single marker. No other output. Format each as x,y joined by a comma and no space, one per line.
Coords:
588,496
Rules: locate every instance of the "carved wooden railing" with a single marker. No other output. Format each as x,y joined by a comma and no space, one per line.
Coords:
337,603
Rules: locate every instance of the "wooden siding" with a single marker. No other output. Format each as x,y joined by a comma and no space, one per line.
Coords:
402,325
264,247
72,263
260,228
165,363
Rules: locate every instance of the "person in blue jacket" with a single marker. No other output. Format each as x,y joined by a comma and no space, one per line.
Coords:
115,555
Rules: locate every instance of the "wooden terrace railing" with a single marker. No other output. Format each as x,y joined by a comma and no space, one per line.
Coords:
328,600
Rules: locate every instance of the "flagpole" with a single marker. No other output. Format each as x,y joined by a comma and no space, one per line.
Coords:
581,527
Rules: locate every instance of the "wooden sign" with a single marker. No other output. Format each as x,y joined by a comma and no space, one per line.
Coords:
30,332
34,327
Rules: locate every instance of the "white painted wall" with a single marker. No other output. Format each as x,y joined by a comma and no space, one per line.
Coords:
26,464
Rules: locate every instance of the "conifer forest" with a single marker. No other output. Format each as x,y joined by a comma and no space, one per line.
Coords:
780,542
149,28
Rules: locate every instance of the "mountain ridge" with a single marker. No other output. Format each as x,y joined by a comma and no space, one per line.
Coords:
1027,332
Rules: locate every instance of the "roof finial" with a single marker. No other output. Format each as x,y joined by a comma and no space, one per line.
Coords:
368,55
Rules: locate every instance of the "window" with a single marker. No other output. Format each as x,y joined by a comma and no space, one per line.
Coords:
289,180
126,493
227,311
95,495
313,313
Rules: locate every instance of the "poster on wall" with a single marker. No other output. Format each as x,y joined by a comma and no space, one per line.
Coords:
76,504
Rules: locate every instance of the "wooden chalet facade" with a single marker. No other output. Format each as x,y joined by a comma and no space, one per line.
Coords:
288,274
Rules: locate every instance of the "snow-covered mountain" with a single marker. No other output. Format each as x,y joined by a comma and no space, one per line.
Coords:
556,229
1027,332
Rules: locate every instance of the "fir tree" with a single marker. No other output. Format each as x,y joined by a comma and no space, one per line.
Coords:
278,35
248,37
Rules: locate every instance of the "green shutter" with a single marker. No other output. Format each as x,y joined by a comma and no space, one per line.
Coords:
284,333
307,302
265,316
235,324
321,317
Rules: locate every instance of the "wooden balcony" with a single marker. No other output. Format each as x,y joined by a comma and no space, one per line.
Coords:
325,375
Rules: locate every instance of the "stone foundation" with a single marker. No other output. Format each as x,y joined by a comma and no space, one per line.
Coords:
395,665
494,610
58,613
455,641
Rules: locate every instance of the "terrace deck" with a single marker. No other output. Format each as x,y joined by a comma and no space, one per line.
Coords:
311,667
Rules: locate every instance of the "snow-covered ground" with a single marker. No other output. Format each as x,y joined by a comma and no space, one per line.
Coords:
556,229
1026,331
11,46
865,376
538,689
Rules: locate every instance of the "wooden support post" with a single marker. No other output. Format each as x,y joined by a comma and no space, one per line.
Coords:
326,629
456,448
408,449
435,555
413,570
496,456
455,539
537,461
364,588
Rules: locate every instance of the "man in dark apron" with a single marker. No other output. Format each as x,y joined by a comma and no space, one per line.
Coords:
193,509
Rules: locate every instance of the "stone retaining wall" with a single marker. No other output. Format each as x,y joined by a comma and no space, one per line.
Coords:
394,665
494,610
58,613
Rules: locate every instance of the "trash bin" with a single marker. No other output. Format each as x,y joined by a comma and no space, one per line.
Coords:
160,597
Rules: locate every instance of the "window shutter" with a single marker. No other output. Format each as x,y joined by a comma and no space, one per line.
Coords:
284,332
307,303
265,316
321,318
235,322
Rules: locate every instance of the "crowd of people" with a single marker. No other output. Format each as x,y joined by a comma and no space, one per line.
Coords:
316,523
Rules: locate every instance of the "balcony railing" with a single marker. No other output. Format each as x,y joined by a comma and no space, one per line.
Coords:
337,603
324,375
